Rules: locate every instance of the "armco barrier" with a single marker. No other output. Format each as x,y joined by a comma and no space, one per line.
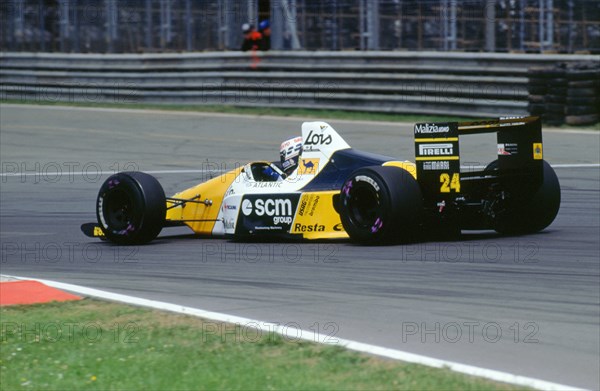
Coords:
463,84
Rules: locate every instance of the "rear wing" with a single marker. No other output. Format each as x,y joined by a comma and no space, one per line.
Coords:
437,155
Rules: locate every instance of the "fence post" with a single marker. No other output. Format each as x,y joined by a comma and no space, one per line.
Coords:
444,23
550,25
18,29
148,24
453,24
42,24
188,24
490,25
277,20
64,24
291,24
111,24
373,24
283,15
541,25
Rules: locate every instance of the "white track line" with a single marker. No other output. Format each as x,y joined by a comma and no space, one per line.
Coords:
94,174
295,334
159,172
583,165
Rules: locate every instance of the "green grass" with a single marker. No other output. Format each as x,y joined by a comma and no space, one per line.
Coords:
142,349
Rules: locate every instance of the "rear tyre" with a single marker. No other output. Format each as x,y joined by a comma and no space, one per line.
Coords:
131,208
532,214
380,205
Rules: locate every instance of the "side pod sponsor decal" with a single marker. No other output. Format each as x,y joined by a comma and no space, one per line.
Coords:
308,166
267,212
431,128
316,218
309,228
441,149
318,139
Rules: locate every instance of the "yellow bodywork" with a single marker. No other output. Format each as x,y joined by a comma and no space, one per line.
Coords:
408,166
316,218
212,190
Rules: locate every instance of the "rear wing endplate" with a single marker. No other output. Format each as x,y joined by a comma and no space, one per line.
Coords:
437,152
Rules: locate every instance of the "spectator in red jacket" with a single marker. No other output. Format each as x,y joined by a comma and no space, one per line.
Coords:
252,38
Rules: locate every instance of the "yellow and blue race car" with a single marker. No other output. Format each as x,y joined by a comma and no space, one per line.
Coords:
332,191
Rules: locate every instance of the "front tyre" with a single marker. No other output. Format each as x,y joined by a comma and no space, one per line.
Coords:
131,208
380,204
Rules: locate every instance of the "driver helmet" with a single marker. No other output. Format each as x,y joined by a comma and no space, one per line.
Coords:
289,152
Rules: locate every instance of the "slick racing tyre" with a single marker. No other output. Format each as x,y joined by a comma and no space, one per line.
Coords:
131,208
380,205
532,214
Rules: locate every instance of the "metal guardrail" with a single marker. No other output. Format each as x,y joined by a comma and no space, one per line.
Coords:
464,84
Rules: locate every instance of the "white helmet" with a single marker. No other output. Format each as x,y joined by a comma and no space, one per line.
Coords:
289,152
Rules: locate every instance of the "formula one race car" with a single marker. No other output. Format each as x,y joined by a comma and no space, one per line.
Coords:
338,192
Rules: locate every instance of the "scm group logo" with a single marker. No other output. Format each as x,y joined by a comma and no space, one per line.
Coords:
280,209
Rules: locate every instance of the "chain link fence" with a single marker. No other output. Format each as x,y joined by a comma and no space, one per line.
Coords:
138,26
497,26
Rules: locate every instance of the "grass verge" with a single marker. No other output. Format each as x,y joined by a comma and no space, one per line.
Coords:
97,345
258,111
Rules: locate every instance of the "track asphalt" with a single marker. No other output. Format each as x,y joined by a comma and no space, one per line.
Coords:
526,305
